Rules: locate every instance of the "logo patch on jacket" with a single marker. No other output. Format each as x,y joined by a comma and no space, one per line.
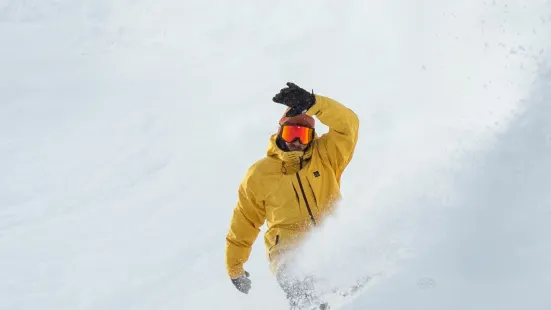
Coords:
316,174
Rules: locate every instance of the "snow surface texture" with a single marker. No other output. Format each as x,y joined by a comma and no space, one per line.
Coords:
126,127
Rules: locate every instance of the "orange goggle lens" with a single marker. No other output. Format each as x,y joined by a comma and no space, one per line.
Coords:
290,133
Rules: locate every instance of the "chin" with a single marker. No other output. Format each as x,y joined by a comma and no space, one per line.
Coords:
295,149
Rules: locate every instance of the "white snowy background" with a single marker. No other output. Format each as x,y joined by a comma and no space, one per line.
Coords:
126,127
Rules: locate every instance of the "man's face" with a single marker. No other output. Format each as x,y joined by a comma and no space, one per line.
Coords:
296,145
298,135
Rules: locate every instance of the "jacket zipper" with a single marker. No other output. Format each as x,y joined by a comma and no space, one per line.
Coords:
306,200
296,194
275,243
313,194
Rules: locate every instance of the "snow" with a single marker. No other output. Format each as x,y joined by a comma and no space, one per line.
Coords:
126,127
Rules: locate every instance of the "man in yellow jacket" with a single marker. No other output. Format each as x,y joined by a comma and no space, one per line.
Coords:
293,188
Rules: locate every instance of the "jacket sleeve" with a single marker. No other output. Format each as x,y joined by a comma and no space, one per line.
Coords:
248,216
339,143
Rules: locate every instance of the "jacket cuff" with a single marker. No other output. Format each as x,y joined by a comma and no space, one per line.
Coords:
236,272
316,108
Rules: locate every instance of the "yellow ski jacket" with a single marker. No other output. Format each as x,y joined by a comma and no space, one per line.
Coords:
291,191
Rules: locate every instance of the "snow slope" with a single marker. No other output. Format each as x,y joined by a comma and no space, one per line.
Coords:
126,127
491,249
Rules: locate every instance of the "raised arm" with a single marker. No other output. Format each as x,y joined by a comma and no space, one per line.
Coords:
339,143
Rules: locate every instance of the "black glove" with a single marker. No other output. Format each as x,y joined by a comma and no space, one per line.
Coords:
298,99
243,283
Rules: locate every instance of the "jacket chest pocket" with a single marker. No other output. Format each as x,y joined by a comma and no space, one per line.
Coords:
322,184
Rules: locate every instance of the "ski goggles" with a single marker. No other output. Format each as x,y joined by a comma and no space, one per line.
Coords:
290,132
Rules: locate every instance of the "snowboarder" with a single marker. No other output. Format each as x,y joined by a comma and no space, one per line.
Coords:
293,188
